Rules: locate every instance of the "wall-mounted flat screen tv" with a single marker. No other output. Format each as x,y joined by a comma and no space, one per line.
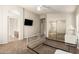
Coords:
28,22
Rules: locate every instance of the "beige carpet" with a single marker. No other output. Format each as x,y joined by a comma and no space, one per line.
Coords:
19,47
61,45
13,47
43,49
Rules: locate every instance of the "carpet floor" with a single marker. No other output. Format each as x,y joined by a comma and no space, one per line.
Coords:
20,47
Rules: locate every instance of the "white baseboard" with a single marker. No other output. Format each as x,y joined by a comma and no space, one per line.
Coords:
3,42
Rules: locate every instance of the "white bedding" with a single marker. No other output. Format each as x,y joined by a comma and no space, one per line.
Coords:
61,52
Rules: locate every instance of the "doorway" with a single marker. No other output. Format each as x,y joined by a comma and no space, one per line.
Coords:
13,29
57,30
42,26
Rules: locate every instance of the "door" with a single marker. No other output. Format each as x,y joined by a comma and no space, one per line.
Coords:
42,30
57,30
60,30
52,31
13,29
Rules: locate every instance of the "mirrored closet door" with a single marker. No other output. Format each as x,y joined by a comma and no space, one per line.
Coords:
57,30
52,30
61,30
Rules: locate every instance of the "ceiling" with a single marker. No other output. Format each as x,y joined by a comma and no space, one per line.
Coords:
51,8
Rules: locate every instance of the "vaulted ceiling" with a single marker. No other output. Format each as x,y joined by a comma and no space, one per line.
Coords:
51,8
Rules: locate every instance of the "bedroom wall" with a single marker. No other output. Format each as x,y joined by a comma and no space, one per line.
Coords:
35,28
68,17
17,13
4,14
77,25
1,24
70,21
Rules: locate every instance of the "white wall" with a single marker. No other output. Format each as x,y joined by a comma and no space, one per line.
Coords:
43,16
17,13
70,21
1,24
77,24
4,14
35,28
77,20
69,18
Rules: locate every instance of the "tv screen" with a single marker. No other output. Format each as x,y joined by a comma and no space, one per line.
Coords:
28,22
